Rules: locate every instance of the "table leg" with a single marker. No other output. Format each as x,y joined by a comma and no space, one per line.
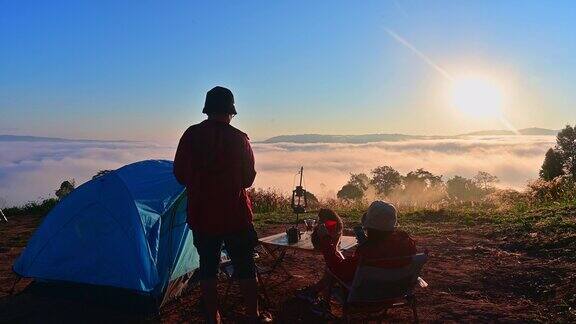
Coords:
277,258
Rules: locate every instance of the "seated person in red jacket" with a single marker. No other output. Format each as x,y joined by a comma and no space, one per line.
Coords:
333,224
383,240
333,227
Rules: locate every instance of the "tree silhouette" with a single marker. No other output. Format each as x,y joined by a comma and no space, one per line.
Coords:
553,165
566,146
66,188
359,180
312,200
419,181
485,180
385,179
350,192
463,189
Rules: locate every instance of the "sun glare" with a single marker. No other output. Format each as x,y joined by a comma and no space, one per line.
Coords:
477,96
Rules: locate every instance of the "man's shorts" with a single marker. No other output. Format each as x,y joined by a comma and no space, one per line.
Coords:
239,247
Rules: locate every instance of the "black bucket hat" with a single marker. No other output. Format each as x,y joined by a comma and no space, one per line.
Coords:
219,100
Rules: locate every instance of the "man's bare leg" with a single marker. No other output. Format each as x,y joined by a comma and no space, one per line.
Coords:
210,297
249,288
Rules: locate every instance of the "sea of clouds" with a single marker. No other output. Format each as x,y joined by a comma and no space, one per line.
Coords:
31,171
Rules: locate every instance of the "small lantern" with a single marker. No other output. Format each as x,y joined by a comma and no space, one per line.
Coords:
299,201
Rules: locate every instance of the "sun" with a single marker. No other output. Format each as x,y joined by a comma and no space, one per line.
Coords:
477,96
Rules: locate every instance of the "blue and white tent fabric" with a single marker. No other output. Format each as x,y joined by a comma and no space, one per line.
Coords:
126,229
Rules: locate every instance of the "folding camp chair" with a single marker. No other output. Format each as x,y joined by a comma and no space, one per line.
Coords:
375,289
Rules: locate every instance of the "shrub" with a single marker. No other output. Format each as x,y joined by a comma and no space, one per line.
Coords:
65,189
32,208
560,189
506,199
350,192
268,200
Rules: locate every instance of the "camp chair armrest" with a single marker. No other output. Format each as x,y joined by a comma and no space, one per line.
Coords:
422,283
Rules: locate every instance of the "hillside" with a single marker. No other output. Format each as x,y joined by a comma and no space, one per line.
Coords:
27,138
350,139
484,266
525,131
370,138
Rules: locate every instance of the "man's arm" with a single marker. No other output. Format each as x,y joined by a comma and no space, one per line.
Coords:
248,171
181,160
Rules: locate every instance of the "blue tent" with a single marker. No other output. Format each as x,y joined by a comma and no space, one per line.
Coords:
126,229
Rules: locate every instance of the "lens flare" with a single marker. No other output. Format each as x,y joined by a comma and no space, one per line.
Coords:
477,96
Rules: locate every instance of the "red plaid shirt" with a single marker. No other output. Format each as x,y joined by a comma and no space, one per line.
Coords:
215,162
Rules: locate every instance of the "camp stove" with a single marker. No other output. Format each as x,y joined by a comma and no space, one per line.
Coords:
298,204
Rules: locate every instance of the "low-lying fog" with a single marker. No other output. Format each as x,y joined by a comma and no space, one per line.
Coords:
33,170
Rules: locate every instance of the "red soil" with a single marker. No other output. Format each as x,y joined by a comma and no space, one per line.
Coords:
471,279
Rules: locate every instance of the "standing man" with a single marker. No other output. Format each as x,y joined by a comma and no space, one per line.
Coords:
215,162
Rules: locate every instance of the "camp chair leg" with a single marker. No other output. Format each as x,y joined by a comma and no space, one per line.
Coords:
346,314
227,293
412,301
383,315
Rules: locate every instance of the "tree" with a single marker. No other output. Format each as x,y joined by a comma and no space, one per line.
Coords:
462,189
553,165
566,146
419,181
312,200
66,188
385,179
359,180
355,187
310,197
485,180
350,192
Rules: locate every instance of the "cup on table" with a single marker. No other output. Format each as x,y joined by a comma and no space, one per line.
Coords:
309,224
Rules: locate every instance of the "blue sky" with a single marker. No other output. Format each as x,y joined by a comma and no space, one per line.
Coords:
140,69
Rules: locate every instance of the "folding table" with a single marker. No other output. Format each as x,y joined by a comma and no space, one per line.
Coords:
277,245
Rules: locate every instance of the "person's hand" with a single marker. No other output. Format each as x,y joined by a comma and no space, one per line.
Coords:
322,230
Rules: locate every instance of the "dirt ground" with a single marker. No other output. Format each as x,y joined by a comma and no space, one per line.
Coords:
472,278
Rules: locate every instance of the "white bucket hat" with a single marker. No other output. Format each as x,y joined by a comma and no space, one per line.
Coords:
381,216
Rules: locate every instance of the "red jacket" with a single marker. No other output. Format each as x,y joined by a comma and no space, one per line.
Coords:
397,245
215,162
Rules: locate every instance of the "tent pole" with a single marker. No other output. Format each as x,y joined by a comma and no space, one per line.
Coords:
11,291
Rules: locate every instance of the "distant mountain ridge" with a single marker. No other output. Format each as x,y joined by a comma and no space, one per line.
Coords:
524,131
370,138
309,138
351,139
26,138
